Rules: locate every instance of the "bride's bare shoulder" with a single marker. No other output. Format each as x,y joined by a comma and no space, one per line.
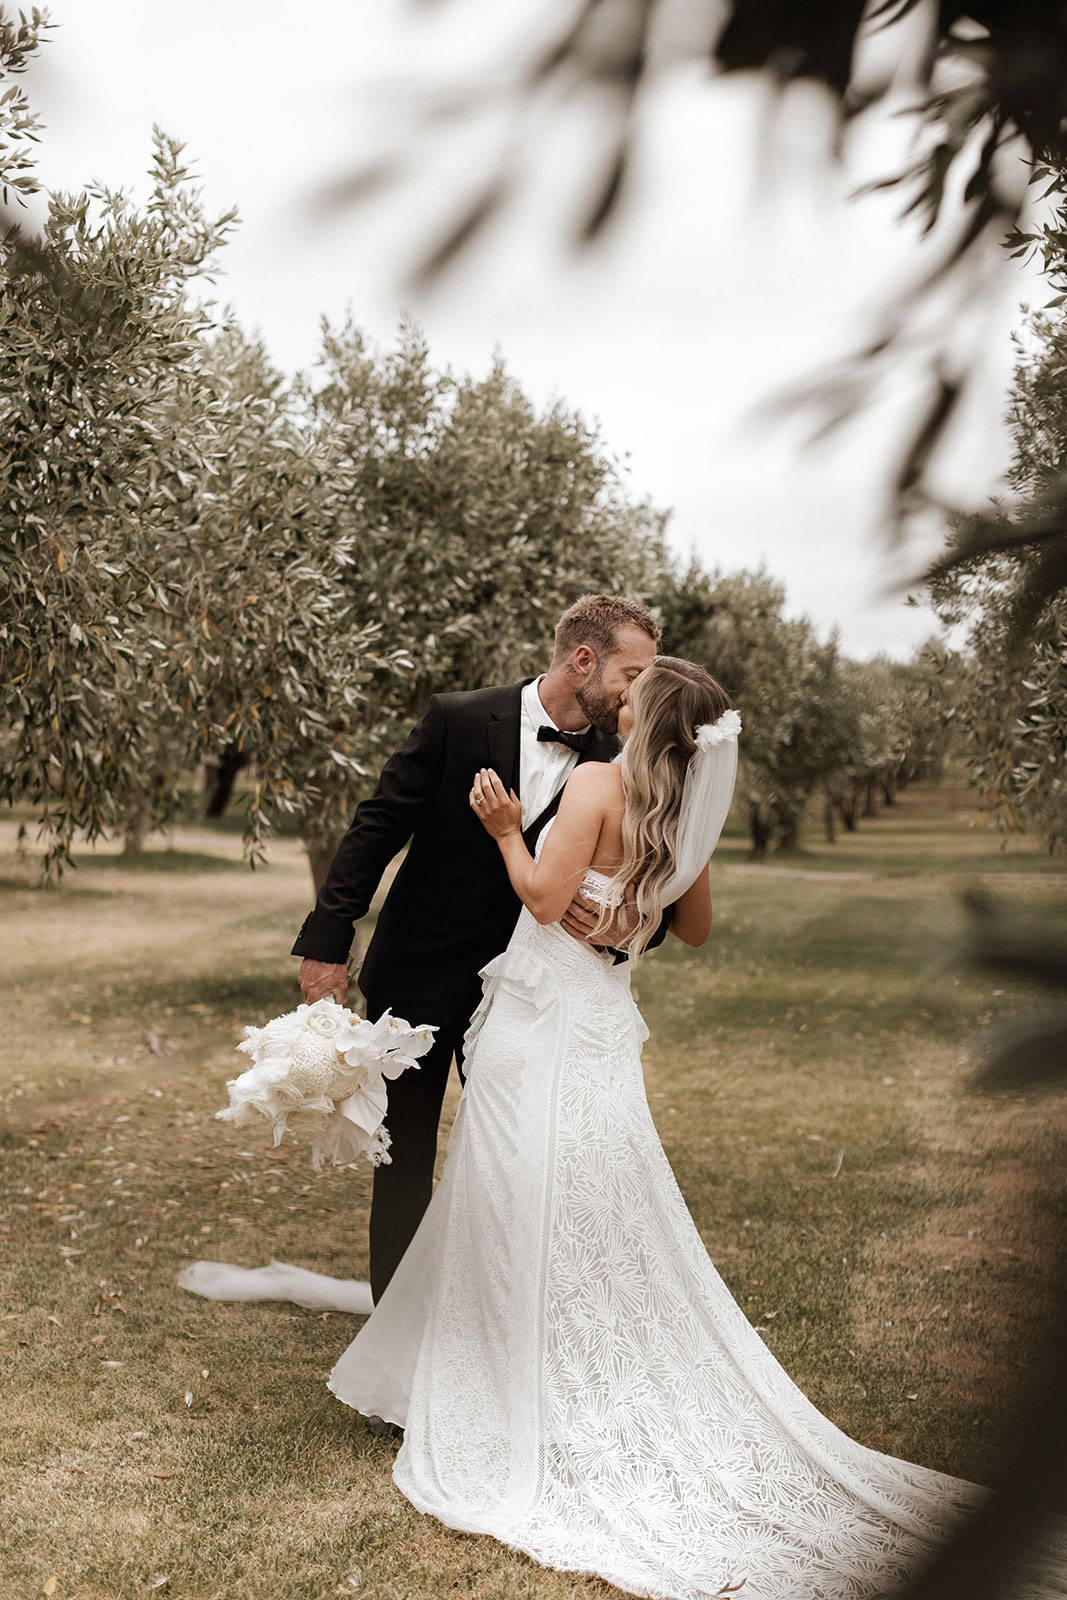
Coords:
596,782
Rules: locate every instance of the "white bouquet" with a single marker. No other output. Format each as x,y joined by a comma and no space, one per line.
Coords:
320,1072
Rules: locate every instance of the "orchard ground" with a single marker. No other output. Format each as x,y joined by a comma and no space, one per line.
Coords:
887,1229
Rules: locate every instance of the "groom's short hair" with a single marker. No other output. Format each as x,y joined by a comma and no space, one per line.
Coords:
595,620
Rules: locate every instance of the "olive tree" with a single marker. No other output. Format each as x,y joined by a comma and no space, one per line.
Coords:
473,518
799,728
99,338
272,648
1011,725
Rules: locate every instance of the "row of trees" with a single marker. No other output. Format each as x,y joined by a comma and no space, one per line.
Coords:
816,723
208,562
205,561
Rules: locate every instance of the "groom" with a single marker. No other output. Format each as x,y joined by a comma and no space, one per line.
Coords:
451,908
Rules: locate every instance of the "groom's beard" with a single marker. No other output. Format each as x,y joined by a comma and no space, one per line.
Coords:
601,708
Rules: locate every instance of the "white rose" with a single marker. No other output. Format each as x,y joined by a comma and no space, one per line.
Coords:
325,1018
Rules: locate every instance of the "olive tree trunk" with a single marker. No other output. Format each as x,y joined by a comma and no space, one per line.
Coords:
788,829
137,827
759,827
221,778
320,853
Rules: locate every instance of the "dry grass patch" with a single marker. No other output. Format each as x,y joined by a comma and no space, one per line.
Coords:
806,1071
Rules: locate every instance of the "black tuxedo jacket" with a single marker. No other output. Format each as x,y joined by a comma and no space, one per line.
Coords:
451,907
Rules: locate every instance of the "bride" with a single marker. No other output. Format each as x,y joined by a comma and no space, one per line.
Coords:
572,1375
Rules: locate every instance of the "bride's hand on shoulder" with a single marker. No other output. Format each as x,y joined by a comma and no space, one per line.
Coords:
499,811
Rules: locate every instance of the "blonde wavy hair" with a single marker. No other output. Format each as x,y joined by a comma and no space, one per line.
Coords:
670,701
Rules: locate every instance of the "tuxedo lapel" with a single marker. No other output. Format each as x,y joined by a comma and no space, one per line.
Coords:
502,735
601,747
533,830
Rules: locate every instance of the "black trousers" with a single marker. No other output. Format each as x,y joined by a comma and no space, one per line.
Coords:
402,1188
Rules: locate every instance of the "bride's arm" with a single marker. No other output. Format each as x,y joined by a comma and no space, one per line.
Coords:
691,921
545,886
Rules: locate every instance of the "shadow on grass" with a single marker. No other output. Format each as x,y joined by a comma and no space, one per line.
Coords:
878,858
32,883
162,861
253,995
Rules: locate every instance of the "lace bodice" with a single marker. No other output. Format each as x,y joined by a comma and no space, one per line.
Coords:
602,888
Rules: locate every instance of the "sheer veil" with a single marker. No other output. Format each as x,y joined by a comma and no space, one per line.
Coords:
706,797
221,1280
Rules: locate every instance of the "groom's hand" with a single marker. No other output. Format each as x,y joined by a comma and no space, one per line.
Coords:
583,914
320,979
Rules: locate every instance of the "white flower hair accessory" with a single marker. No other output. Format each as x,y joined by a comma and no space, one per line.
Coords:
709,734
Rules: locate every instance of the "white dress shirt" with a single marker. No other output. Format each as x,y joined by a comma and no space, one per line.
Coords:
543,767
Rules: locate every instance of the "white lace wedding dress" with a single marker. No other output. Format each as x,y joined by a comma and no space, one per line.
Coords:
573,1376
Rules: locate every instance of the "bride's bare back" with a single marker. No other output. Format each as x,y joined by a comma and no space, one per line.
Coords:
605,784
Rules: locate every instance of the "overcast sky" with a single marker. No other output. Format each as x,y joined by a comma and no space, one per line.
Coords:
726,275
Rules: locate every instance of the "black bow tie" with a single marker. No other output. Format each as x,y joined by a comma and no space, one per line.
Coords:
578,742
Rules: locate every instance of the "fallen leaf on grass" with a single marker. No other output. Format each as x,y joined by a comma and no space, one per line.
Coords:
50,1585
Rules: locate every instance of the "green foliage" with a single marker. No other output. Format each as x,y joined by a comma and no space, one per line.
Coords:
359,539
1011,722
204,560
201,557
1012,719
19,126
799,730
475,518
813,720
1031,534
97,470
270,648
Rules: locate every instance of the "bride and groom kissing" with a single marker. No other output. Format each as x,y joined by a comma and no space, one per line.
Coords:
570,1373
451,908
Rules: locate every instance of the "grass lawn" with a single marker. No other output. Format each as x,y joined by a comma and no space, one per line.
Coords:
888,1230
